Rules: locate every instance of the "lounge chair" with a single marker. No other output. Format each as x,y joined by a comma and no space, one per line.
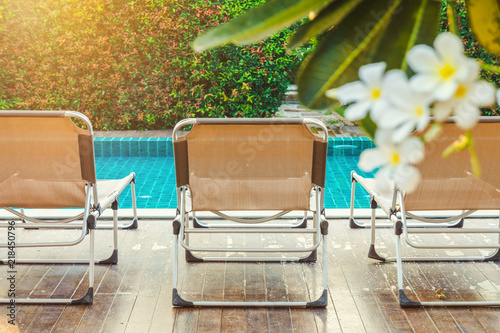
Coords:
448,186
241,166
48,163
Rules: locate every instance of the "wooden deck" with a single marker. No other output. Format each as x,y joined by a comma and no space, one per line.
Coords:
135,294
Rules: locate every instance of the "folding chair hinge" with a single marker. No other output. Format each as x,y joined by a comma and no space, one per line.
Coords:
97,208
398,228
324,227
373,203
114,205
91,222
177,227
353,180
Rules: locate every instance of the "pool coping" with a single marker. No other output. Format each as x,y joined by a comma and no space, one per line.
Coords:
169,213
162,146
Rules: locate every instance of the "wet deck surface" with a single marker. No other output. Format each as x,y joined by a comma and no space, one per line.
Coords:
135,294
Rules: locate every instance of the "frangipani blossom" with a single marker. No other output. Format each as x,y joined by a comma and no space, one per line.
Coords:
440,69
369,94
409,110
465,102
395,161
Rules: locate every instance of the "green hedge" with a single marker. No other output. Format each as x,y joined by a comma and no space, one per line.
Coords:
473,49
129,65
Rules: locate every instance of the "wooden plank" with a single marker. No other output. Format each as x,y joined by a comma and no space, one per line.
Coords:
302,319
374,310
363,291
233,319
164,313
417,319
256,318
425,278
210,319
191,290
26,313
119,313
73,315
142,313
93,318
346,311
279,319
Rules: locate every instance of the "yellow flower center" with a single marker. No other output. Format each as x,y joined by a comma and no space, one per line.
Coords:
447,71
376,92
395,158
418,111
461,91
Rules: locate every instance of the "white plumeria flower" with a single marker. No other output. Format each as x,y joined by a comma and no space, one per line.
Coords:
409,110
395,161
440,69
498,96
369,94
464,103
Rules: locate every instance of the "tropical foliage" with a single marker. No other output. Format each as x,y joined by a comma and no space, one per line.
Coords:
369,37
129,64
351,33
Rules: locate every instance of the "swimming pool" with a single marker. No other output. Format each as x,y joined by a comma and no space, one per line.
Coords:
152,161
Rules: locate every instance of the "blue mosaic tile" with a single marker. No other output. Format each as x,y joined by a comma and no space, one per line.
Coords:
134,147
144,147
152,161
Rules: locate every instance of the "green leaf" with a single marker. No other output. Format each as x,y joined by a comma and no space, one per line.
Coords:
451,14
258,23
368,126
484,16
414,22
331,15
381,31
342,51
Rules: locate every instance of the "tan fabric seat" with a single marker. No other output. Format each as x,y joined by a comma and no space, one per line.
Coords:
249,165
447,184
48,162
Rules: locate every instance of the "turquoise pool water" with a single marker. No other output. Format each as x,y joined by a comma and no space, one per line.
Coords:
152,161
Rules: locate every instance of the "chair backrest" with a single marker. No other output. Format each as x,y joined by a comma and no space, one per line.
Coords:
448,183
46,160
250,164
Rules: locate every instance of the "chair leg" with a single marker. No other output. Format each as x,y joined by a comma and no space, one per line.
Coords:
89,296
134,224
372,252
352,223
404,301
113,259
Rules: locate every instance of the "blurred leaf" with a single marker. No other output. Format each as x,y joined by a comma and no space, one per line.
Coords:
258,23
433,132
474,161
332,14
414,22
452,19
484,18
342,51
391,28
368,126
489,67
